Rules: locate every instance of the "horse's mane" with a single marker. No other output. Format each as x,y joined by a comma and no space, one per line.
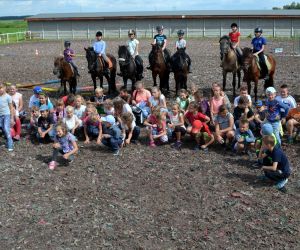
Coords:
225,37
247,52
123,49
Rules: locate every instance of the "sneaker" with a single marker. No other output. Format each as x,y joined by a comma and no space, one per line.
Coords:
148,67
152,144
205,150
256,165
196,148
52,165
263,178
10,149
279,185
116,153
290,140
177,145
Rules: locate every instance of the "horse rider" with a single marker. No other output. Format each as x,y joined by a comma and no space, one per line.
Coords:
161,40
68,56
235,41
181,44
99,47
258,44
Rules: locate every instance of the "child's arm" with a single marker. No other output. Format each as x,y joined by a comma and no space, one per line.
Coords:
12,112
251,137
272,168
231,124
187,121
100,132
75,149
212,139
127,141
147,123
20,108
181,120
87,139
257,118
49,129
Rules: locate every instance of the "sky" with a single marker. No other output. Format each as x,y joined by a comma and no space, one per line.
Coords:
32,7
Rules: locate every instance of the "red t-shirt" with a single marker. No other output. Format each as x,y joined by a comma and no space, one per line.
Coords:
234,37
206,129
191,117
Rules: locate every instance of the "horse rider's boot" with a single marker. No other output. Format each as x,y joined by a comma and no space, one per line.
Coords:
148,67
107,71
189,69
77,73
120,74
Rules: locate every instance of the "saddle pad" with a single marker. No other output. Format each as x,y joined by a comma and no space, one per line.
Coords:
269,66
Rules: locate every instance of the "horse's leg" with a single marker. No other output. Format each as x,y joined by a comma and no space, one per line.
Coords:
167,82
94,81
101,82
249,86
133,81
255,89
154,78
75,86
125,81
239,78
233,82
224,79
65,87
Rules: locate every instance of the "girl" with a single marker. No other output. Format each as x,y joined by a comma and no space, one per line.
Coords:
177,125
64,143
17,98
121,107
44,100
59,112
34,117
92,124
71,121
192,92
98,99
157,129
224,126
15,131
157,99
215,102
183,100
202,102
79,108
109,107
130,131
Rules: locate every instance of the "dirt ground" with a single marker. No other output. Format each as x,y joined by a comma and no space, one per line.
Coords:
146,198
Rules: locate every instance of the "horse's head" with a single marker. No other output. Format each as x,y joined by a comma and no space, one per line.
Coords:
58,65
247,58
123,54
156,48
91,57
224,44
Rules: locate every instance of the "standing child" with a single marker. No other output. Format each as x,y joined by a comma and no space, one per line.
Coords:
244,138
260,114
45,124
286,98
183,100
92,125
6,116
68,55
176,125
15,130
65,144
157,99
98,99
17,98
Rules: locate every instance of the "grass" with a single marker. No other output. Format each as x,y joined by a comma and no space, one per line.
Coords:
12,26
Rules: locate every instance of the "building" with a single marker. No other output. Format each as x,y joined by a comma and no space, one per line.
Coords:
202,23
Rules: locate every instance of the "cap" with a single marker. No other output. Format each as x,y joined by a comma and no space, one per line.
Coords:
270,90
43,107
258,103
267,129
109,118
196,126
37,90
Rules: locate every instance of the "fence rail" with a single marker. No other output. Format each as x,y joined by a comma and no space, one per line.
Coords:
15,37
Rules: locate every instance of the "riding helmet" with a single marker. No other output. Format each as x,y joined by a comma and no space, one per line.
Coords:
131,31
234,25
258,30
159,27
67,43
99,33
180,32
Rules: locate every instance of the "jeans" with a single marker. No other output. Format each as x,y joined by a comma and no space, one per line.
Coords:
57,151
135,134
276,175
51,134
276,129
113,143
5,125
93,131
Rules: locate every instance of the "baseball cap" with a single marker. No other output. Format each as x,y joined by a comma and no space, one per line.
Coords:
270,90
267,129
259,103
196,126
37,90
44,107
109,118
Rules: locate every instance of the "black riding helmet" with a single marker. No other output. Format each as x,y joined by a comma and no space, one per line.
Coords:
258,30
180,32
67,43
234,25
159,27
99,33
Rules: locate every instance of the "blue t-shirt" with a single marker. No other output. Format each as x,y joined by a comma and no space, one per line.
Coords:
277,155
160,39
66,142
99,47
275,110
258,42
5,100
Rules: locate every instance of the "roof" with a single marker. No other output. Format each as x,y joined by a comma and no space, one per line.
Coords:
165,14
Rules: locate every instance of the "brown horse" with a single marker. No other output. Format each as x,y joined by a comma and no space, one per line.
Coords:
253,73
64,71
229,63
159,68
99,72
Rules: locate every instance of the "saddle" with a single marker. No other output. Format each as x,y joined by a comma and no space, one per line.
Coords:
258,63
108,64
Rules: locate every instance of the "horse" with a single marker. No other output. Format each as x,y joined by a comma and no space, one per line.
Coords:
64,71
229,63
180,69
159,68
129,66
252,71
99,72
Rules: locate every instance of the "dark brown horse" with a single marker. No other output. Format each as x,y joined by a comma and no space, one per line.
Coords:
99,71
159,68
253,73
63,70
229,63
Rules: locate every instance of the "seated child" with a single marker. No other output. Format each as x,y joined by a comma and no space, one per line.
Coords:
214,87
293,121
202,102
15,130
108,107
157,99
244,138
279,170
69,100
285,98
98,99
243,92
202,134
92,124
193,114
71,121
34,99
193,89
157,129
225,127
243,112
34,117
79,108
59,112
183,100
124,94
65,144
45,124
130,131
44,100
260,114
112,136
176,125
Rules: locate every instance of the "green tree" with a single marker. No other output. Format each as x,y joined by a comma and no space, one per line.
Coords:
291,6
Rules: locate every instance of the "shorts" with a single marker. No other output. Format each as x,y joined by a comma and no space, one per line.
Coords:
205,136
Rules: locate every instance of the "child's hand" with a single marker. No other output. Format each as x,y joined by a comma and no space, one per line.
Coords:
170,125
87,141
241,139
66,156
127,141
153,125
42,134
73,131
56,145
98,141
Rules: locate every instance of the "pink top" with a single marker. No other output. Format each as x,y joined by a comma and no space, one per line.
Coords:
141,96
215,104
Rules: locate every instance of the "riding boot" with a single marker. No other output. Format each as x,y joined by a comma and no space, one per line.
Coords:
120,74
107,72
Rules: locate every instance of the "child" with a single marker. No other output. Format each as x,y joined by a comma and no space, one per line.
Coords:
65,144
17,98
243,111
157,129
98,99
34,117
244,138
181,44
157,99
202,134
192,91
260,114
109,107
130,131
193,114
293,121
176,125
92,125
45,124
59,112
279,170
44,100
243,92
183,100
214,87
285,98
79,108
235,41
15,130
202,102
112,137
224,124
68,55
215,102
124,94
34,99
71,121
69,100
6,116
275,111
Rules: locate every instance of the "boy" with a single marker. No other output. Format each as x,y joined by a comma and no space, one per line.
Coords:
285,97
98,100
235,41
125,95
244,138
260,114
279,169
35,98
45,124
243,111
112,136
68,55
293,121
203,137
243,92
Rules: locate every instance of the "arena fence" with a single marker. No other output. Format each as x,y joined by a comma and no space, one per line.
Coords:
15,37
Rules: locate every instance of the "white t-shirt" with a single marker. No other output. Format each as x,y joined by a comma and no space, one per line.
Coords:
155,102
80,112
34,101
236,100
132,44
289,101
16,99
124,126
175,118
71,122
181,44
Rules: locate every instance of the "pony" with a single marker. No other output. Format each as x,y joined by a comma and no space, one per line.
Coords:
159,68
64,71
99,72
129,67
252,71
180,69
229,63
